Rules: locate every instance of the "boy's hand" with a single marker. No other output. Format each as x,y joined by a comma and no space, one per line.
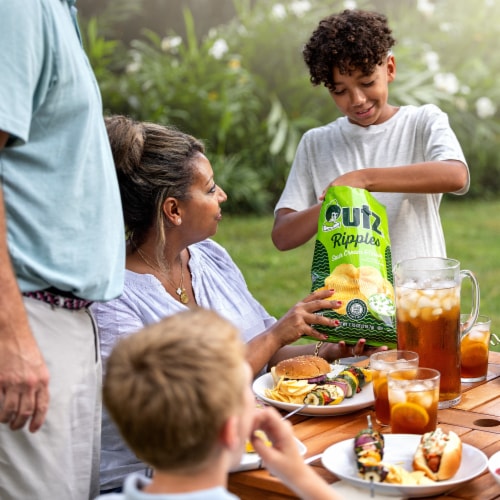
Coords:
283,458
354,179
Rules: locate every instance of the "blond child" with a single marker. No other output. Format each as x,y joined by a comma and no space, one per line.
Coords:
179,392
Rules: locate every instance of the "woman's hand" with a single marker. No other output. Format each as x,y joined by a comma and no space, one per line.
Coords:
299,320
333,351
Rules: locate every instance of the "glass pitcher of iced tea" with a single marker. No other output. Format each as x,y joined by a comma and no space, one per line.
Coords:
428,317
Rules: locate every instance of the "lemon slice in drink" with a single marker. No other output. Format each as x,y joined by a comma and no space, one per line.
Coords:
413,415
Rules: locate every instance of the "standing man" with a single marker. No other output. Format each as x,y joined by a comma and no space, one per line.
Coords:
61,247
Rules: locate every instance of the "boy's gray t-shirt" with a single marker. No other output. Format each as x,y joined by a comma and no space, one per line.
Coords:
414,134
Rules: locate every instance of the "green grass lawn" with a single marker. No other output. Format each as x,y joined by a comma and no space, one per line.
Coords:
279,279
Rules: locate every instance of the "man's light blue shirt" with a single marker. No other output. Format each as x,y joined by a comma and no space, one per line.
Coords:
64,220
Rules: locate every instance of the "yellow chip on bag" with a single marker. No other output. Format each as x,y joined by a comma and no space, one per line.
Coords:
372,282
344,278
349,283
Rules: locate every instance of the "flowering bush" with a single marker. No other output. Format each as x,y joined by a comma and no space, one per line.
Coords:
245,90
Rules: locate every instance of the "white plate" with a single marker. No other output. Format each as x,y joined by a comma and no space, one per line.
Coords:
250,461
399,450
494,465
357,402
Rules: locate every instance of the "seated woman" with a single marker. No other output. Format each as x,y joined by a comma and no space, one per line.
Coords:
171,207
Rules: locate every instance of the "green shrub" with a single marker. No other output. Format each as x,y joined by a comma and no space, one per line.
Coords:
244,88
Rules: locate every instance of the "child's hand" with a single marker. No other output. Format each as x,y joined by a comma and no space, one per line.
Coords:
354,179
283,458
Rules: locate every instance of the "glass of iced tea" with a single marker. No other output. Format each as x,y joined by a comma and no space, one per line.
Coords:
428,317
381,363
413,399
474,349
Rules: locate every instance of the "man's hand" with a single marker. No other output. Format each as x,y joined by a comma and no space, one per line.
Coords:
24,380
24,376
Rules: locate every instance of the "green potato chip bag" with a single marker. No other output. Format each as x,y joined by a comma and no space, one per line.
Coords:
352,256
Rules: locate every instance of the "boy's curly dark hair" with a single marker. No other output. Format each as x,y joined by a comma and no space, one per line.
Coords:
351,40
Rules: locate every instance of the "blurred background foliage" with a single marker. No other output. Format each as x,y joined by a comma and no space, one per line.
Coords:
231,72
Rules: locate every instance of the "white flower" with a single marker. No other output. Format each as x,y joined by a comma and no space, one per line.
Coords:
350,4
135,65
461,103
485,108
219,48
447,82
242,30
425,7
170,43
300,7
431,59
445,27
278,11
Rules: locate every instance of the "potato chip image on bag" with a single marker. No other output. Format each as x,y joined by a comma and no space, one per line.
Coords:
352,256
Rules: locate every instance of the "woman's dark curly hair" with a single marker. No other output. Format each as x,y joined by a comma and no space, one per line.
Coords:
351,40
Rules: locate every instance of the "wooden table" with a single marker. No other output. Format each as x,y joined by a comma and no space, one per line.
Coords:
476,419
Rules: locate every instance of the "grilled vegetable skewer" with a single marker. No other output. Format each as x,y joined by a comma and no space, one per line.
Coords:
369,450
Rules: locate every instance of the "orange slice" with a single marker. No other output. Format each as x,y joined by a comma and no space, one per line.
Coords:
381,390
412,415
474,354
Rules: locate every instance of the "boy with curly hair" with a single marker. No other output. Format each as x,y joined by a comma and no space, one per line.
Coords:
179,392
408,156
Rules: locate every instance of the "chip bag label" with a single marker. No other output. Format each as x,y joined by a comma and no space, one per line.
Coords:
352,256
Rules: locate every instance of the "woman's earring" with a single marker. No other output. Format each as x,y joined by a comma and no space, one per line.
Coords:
179,221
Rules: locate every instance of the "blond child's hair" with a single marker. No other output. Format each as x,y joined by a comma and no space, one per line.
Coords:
171,386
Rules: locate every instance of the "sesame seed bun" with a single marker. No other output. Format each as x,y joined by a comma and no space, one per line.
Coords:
302,367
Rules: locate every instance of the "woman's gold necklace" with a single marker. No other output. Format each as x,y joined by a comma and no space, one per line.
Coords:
179,290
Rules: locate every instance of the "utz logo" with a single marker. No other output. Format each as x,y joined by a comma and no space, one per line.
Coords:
332,213
358,217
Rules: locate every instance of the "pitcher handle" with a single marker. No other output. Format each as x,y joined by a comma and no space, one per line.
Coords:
467,325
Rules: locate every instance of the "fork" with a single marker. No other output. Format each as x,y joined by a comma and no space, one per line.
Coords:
288,415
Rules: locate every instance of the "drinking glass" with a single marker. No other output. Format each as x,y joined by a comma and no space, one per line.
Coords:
381,363
474,349
413,398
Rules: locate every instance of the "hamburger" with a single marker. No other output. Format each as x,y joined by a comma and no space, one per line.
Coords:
308,379
307,367
438,455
